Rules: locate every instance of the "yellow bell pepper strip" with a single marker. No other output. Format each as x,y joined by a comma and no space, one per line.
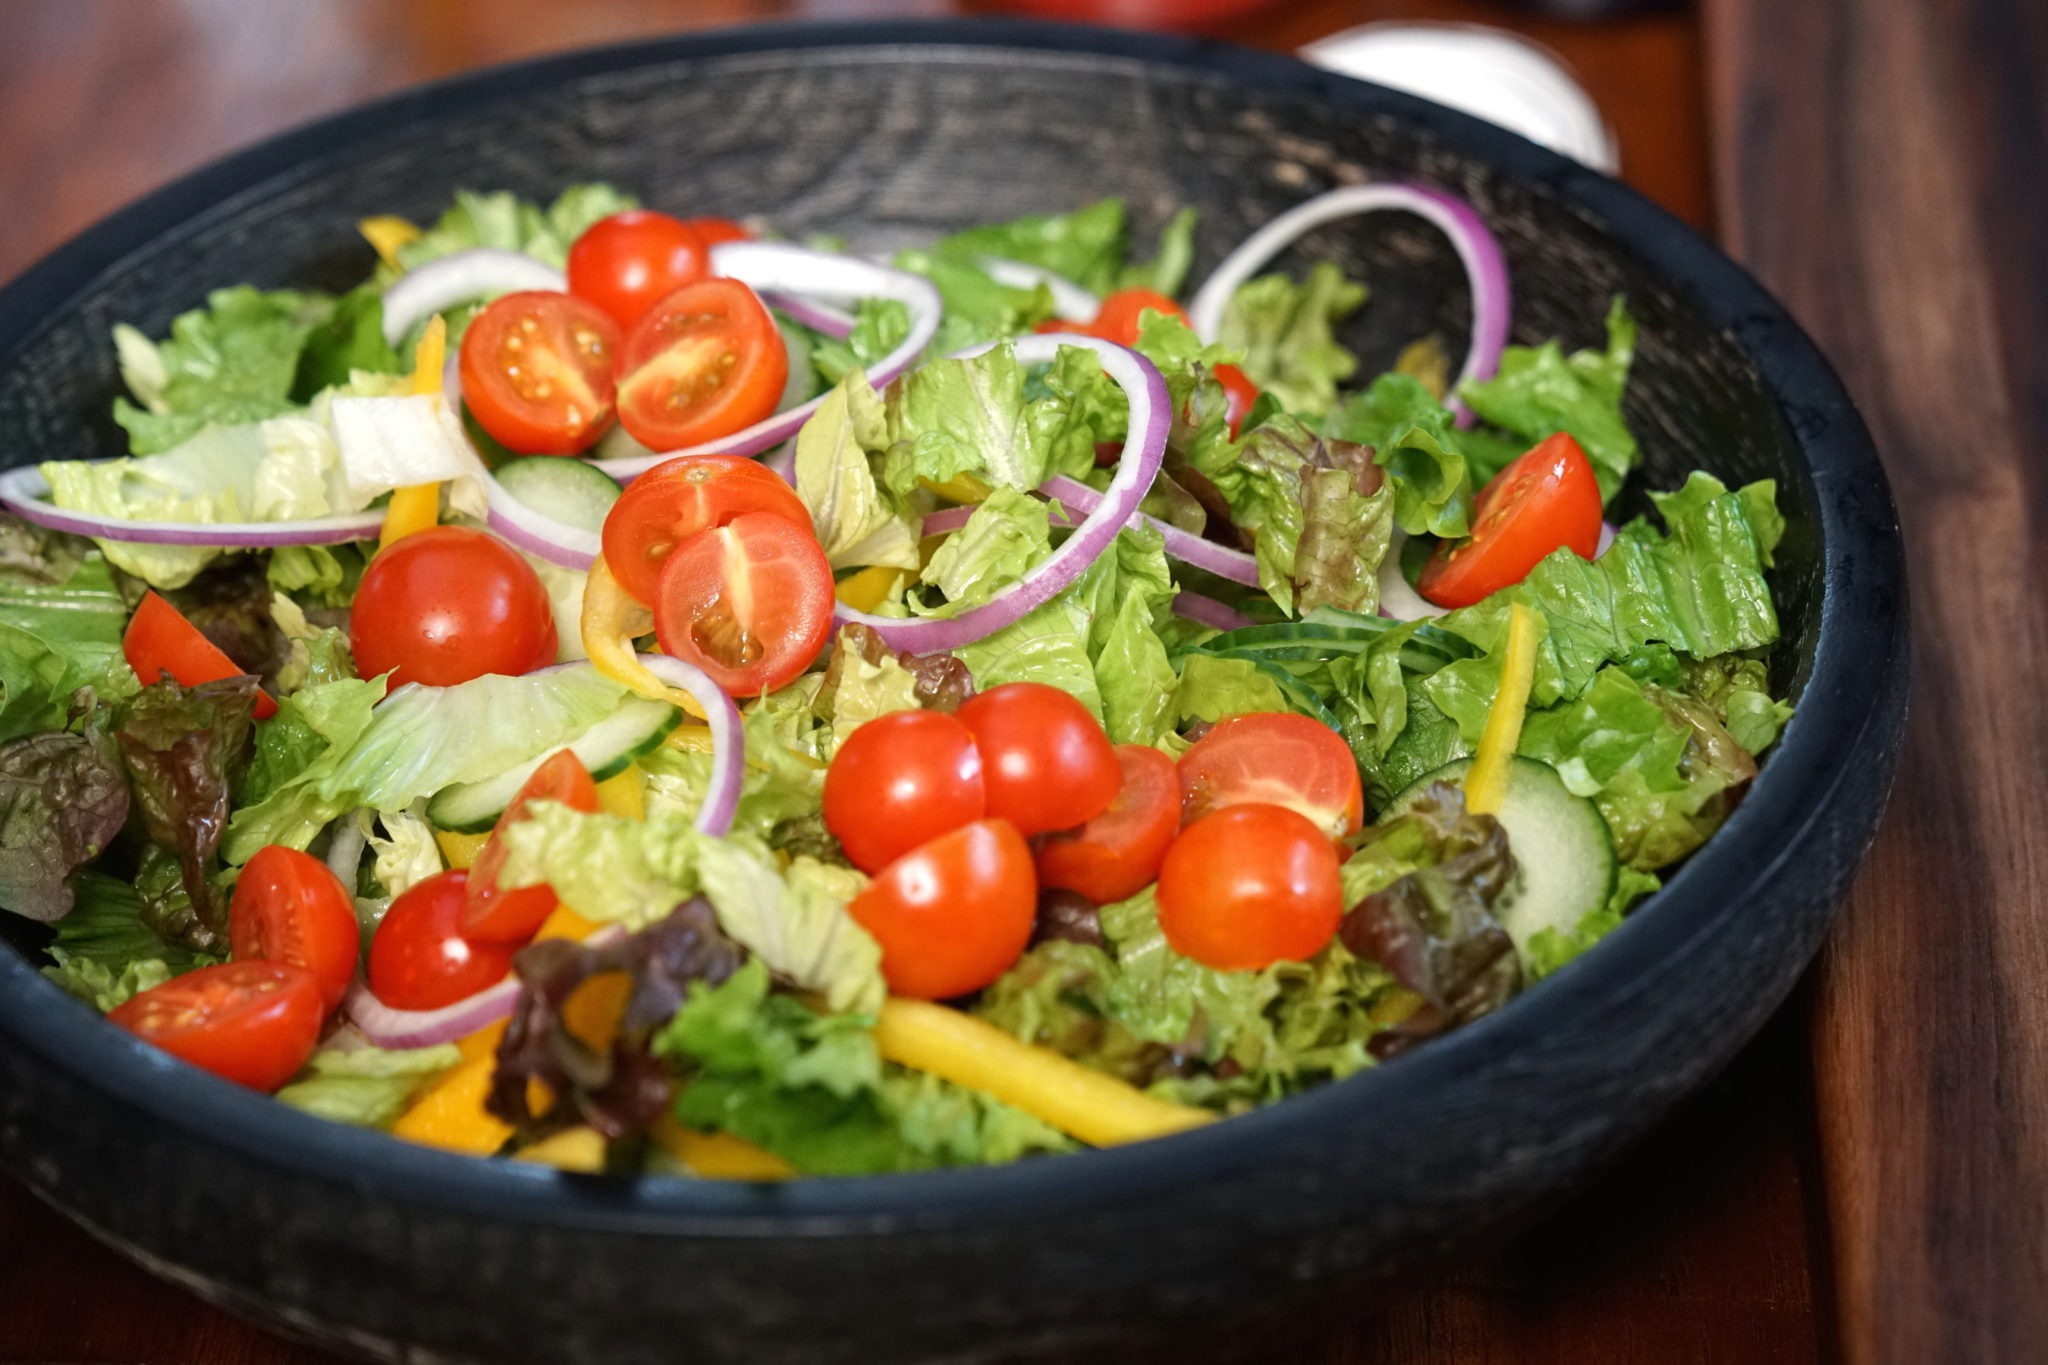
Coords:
870,587
419,507
611,620
388,232
1486,782
961,488
573,1149
459,850
691,737
1080,1102
720,1156
483,1043
623,793
451,1115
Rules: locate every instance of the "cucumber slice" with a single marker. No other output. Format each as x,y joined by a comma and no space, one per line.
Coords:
637,727
803,375
1560,842
568,489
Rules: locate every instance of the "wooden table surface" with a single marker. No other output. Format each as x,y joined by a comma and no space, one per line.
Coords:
1869,1181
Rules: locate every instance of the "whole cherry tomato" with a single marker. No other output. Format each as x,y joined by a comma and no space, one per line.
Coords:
419,956
1045,761
954,913
449,604
900,780
1250,886
627,263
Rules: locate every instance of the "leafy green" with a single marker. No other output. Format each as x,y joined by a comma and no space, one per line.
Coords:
953,417
349,339
1414,441
857,522
879,327
781,783
41,669
1539,390
59,589
1286,332
1087,246
105,951
62,801
1551,949
977,308
1321,514
1739,691
367,1086
1007,533
230,363
503,219
1211,688
1168,268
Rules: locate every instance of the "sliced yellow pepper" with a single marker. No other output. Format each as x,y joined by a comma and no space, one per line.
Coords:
1486,781
720,1156
872,586
451,1115
611,620
623,793
459,851
691,737
1078,1101
388,232
419,507
961,488
573,1149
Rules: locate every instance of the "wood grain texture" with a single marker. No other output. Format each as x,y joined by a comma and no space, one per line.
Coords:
1697,1250
1879,166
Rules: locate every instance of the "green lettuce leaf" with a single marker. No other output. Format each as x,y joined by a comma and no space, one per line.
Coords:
879,327
1087,246
1550,949
503,219
1414,441
1007,533
348,340
857,522
105,952
39,673
60,590
1540,390
367,1086
1211,688
230,363
1321,514
1287,334
1739,691
977,308
783,783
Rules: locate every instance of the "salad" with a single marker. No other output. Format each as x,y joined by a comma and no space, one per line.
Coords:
633,693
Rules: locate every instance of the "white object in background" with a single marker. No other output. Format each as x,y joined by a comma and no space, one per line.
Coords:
1487,72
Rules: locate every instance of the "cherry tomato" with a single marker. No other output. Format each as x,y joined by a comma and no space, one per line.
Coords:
712,231
703,363
1067,325
899,780
1250,886
1239,393
160,640
1045,761
1117,854
419,958
1277,758
254,1023
1544,500
537,372
512,916
449,604
954,913
749,602
627,263
289,908
675,500
1122,312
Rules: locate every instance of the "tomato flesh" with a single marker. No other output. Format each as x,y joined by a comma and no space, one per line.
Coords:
1122,312
536,371
512,915
704,362
675,500
1117,854
953,914
1249,886
899,781
159,640
449,604
749,602
1045,761
288,907
1276,758
1543,501
1239,393
253,1023
419,957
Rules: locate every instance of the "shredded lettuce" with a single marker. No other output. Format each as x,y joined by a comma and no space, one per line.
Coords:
367,1086
231,363
1287,334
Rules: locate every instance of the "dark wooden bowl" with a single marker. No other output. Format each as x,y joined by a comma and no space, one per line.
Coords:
888,134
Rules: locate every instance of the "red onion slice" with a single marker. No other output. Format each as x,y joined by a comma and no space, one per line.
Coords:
825,277
1074,303
728,739
397,1029
1207,611
1144,446
1187,547
460,277
537,533
1477,249
24,492
822,318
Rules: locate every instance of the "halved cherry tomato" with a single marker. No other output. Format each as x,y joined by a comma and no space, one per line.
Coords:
749,602
900,780
1045,760
449,604
537,372
675,500
160,640
254,1023
419,958
1239,393
1117,854
288,907
1277,758
512,916
1544,500
954,913
715,230
1122,311
627,263
703,363
1250,886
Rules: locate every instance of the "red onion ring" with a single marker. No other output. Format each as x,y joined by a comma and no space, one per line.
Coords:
1207,611
397,1029
819,317
1476,246
820,275
1074,303
728,739
1188,548
24,492
459,277
537,533
1144,447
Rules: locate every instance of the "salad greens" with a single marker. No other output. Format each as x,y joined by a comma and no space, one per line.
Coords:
746,999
